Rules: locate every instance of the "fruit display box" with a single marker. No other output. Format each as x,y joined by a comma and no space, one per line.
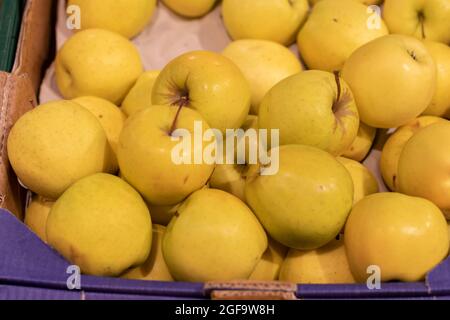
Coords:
29,269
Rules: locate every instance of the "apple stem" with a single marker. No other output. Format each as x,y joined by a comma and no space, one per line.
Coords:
338,84
181,102
422,23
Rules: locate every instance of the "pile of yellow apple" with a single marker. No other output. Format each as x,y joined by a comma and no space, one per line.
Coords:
110,199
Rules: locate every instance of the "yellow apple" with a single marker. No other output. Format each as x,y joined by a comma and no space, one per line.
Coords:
268,268
275,20
333,31
424,165
145,155
55,145
140,96
111,118
190,8
424,19
102,225
394,147
314,108
327,265
99,63
230,178
127,17
209,83
264,64
305,205
440,105
362,144
366,2
404,236
155,268
214,237
364,182
393,80
36,216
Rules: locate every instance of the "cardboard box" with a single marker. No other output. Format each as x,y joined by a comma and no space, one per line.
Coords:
29,269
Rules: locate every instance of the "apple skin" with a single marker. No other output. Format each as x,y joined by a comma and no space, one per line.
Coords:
98,63
305,110
154,268
36,216
390,230
393,79
333,31
112,120
145,156
190,9
276,20
366,2
109,15
305,205
140,96
326,265
214,237
56,144
264,64
440,105
423,19
394,146
269,266
364,182
209,83
424,164
362,144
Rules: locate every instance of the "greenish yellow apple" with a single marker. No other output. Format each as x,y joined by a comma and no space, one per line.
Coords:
146,154
424,165
36,215
140,96
333,31
404,236
314,108
127,17
394,146
99,63
111,118
440,104
304,205
209,83
327,265
423,19
102,225
154,268
275,20
214,237
264,64
230,178
190,8
55,145
268,268
362,144
393,79
364,182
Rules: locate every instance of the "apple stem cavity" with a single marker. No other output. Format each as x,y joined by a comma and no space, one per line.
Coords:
341,102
